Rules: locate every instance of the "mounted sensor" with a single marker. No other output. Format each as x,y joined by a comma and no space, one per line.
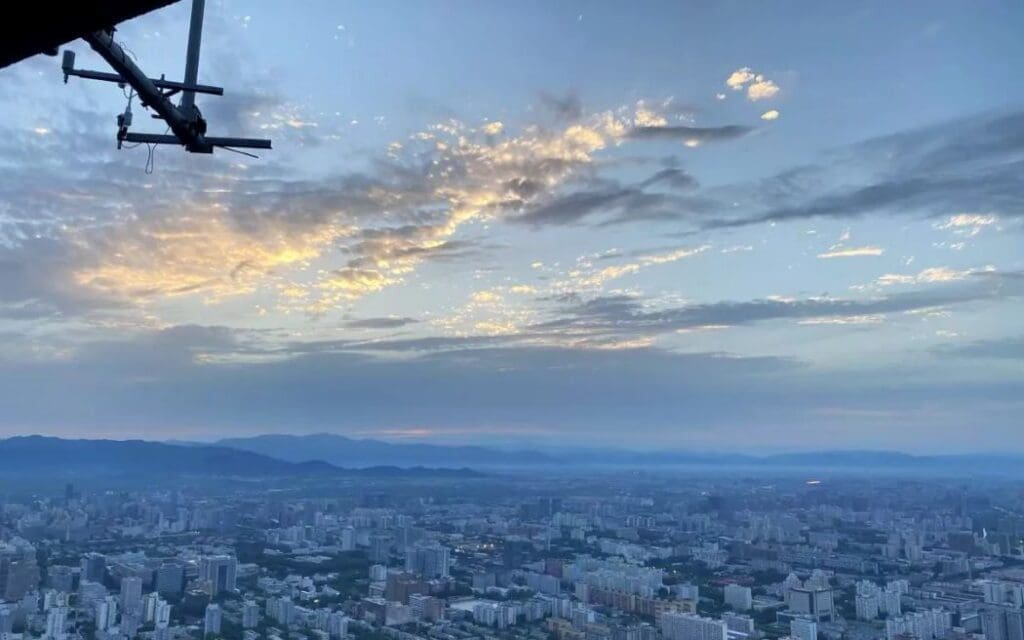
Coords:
185,121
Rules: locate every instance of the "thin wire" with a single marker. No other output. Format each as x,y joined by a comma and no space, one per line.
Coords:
244,153
151,147
129,51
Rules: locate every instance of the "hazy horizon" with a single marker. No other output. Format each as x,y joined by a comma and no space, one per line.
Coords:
555,449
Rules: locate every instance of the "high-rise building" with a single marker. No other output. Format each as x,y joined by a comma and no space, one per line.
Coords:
131,594
803,629
402,585
90,592
866,606
426,607
220,572
94,567
738,597
6,618
22,577
1002,623
211,620
56,623
348,539
337,625
738,622
1004,593
380,547
149,604
688,626
106,613
428,560
170,579
250,615
378,573
281,610
162,615
925,625
813,602
19,572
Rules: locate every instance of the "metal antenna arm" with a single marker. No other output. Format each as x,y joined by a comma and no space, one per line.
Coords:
184,119
188,131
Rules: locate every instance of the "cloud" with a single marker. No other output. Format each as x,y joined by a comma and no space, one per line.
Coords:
771,114
762,89
389,322
852,252
493,128
238,230
929,275
758,87
843,320
161,382
967,164
619,204
692,136
737,79
628,315
588,278
968,224
1007,348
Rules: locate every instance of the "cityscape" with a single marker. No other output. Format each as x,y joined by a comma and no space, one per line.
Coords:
515,555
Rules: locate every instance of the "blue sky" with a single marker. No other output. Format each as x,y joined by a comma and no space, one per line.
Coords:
751,226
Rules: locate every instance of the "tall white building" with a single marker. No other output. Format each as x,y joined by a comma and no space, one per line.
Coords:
923,625
56,622
250,614
106,613
337,625
687,626
162,615
131,594
149,602
211,620
348,539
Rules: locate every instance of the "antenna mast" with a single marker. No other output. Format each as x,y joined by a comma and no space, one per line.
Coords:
184,119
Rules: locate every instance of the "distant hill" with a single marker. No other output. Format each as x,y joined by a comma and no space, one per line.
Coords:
355,453
58,456
359,453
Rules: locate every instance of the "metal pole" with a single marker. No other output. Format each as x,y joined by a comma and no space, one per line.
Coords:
195,34
149,94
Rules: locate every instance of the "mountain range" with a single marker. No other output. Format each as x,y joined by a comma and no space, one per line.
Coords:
355,453
328,454
24,455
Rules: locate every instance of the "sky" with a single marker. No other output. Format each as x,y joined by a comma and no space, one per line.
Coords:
722,226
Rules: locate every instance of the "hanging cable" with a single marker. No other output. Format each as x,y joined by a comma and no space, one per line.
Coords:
244,153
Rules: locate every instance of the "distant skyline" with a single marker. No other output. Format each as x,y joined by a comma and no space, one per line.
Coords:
680,226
